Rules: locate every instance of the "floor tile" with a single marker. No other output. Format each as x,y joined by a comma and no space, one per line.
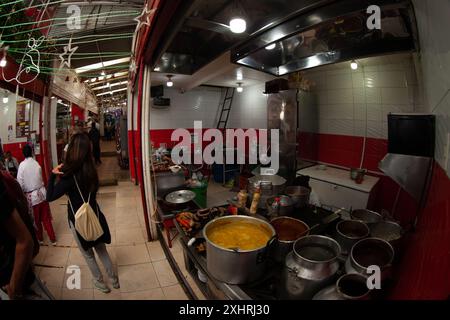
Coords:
83,294
52,276
129,236
174,292
39,259
86,278
156,251
113,295
137,277
152,294
56,257
128,255
164,272
76,257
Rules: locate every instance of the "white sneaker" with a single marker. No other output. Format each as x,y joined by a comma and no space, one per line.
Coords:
100,285
54,244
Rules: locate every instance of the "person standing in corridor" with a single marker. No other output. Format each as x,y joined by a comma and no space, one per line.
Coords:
78,179
30,179
94,136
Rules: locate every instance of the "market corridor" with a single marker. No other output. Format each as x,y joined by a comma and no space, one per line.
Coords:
144,272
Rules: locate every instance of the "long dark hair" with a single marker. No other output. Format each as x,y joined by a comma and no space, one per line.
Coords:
80,163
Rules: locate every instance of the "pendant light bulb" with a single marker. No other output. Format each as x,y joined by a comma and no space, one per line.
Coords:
3,62
239,87
5,99
169,81
238,25
354,65
271,46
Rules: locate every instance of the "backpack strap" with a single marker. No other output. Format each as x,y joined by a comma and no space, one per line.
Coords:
81,195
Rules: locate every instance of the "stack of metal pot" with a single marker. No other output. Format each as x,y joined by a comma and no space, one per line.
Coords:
270,185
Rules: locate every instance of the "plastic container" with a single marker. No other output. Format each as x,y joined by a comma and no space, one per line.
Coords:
200,194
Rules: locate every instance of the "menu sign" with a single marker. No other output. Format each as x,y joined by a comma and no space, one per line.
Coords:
23,109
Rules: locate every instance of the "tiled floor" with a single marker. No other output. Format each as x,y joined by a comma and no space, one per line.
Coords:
143,269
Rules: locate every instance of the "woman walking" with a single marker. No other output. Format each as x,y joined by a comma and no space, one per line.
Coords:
78,178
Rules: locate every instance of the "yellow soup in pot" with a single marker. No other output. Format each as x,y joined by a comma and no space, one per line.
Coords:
239,234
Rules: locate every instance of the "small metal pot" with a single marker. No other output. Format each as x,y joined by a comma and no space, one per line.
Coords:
299,195
237,266
349,232
348,287
389,231
288,231
366,216
370,252
283,210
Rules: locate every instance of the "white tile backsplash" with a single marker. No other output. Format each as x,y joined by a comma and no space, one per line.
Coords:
348,98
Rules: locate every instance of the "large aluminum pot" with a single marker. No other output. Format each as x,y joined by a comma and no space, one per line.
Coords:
299,195
349,232
348,287
310,267
288,231
371,252
236,266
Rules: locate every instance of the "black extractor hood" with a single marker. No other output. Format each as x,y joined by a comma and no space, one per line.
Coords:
330,32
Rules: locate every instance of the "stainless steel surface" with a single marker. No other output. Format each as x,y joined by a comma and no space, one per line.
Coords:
282,247
168,181
348,287
236,266
329,33
310,267
299,195
180,196
349,232
410,172
370,252
366,216
282,115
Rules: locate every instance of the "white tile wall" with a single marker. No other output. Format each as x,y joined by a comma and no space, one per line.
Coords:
434,73
349,99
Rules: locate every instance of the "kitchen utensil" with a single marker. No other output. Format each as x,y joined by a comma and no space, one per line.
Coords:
288,231
285,208
311,266
269,185
180,196
299,195
237,266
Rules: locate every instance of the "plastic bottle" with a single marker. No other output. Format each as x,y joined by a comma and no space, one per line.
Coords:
242,198
255,201
276,206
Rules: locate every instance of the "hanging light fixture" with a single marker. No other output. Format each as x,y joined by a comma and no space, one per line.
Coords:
169,81
5,97
103,73
354,65
237,21
3,61
271,46
239,87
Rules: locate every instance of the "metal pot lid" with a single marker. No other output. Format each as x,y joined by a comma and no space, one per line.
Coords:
180,196
274,179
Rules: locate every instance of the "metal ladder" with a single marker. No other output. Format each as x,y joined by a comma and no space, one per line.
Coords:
226,107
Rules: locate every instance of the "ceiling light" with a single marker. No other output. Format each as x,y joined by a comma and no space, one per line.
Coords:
354,65
3,62
93,79
238,25
103,73
157,69
169,81
101,65
239,87
239,76
271,46
5,98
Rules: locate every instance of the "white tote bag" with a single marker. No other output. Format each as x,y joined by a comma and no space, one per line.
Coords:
86,221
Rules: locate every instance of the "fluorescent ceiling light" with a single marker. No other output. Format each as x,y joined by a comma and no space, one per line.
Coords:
111,92
101,65
111,84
